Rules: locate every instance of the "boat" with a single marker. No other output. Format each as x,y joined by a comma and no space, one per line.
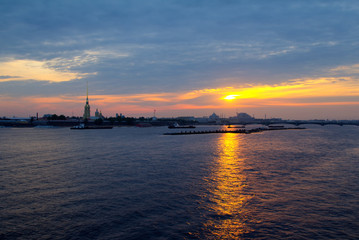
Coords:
83,127
176,125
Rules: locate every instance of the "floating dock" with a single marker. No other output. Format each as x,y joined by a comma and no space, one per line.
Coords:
243,131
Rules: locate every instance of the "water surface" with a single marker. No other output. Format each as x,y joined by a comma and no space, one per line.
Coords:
136,183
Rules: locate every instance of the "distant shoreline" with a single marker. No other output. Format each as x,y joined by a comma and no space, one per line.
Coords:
165,122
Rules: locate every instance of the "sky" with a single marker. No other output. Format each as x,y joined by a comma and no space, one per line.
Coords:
294,59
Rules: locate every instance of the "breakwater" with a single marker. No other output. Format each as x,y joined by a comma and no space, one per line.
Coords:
242,131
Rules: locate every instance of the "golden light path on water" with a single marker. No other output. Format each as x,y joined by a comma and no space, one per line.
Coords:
227,191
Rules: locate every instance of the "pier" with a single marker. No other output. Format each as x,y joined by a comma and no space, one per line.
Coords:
241,131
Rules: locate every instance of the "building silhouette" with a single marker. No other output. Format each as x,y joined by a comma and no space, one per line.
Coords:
98,114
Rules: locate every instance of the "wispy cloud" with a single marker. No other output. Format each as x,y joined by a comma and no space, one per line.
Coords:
347,70
26,69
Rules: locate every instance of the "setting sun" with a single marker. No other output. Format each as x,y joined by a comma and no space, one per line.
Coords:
230,97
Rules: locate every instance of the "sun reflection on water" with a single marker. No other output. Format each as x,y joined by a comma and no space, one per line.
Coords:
227,197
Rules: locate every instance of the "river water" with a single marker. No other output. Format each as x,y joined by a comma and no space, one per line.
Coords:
136,183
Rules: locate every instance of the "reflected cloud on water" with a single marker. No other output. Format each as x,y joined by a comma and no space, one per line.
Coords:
227,198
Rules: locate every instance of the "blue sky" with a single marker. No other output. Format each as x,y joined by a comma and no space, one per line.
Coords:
142,55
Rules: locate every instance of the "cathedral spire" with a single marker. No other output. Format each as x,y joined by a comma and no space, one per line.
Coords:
87,105
87,92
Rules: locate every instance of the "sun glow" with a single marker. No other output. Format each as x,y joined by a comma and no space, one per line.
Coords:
299,89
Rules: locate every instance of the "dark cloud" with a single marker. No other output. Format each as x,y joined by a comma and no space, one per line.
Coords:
144,46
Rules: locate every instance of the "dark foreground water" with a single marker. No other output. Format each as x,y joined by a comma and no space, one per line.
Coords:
135,183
